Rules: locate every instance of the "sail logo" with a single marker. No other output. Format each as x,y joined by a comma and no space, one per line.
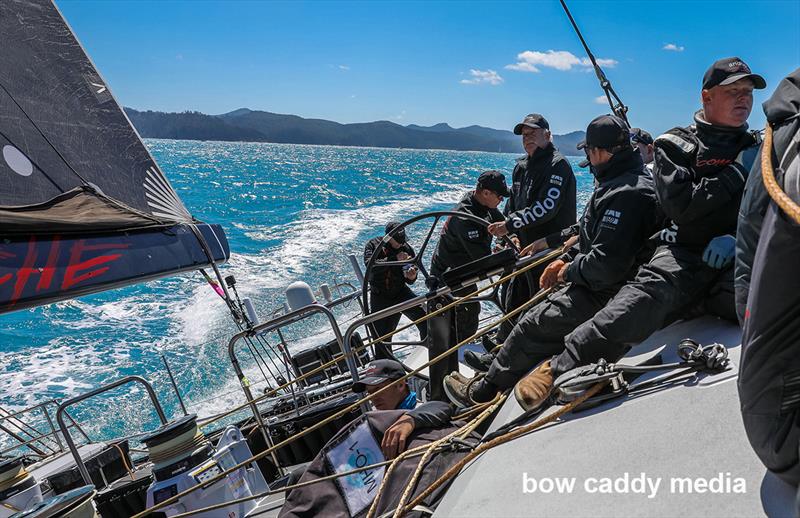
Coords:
98,87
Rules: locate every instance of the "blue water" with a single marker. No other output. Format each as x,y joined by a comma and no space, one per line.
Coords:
291,212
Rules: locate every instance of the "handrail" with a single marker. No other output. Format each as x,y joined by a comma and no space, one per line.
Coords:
77,399
276,323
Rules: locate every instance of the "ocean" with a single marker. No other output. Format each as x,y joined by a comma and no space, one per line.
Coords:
290,212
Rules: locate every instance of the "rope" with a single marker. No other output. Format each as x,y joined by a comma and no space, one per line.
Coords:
192,444
124,459
552,255
498,400
780,198
456,468
535,299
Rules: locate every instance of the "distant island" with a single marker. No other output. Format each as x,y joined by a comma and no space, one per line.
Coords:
245,125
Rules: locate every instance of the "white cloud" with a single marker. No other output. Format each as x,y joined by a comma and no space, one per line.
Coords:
673,47
401,116
482,76
601,99
344,67
531,60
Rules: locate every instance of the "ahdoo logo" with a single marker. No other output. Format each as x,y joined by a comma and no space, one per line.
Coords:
538,209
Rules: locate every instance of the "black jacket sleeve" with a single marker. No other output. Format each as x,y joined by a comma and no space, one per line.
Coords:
557,239
372,247
685,198
626,220
433,414
751,216
546,203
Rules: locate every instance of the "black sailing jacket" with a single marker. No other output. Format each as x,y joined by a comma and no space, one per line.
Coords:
698,181
618,221
461,240
542,196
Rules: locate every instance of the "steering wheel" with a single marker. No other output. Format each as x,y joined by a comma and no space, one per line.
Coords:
417,259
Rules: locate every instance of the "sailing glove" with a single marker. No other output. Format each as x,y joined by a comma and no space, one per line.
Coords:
720,252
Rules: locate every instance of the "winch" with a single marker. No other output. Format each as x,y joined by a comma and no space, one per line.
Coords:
183,457
18,488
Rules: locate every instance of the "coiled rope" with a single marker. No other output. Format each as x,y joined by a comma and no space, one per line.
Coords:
783,201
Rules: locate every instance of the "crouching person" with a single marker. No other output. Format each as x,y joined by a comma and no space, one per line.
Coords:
614,230
397,424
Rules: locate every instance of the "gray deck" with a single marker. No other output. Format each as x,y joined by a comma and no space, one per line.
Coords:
691,429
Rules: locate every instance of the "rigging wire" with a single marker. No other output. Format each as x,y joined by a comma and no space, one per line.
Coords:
616,104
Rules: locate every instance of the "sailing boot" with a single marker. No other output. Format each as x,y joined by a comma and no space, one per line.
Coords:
534,389
479,362
474,391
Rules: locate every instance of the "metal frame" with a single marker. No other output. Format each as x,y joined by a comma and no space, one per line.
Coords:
12,417
105,388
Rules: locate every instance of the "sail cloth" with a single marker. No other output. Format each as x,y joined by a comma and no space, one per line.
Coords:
72,167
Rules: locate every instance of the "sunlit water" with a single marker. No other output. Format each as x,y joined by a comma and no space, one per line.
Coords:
291,212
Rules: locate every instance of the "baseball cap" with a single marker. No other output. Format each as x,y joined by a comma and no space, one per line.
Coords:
640,136
605,132
495,181
729,70
400,235
532,120
379,371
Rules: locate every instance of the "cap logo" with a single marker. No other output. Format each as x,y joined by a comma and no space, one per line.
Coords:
738,66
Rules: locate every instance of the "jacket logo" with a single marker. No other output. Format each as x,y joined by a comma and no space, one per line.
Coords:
473,234
714,162
612,217
538,209
670,235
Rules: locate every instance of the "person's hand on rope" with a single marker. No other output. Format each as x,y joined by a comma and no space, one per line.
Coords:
720,252
395,437
569,243
553,274
498,229
534,248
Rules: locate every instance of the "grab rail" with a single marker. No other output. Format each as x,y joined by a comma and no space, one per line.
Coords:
77,399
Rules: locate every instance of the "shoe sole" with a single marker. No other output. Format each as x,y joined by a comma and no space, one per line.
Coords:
450,395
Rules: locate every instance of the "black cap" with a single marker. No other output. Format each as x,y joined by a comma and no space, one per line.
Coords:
495,181
605,132
400,235
640,136
532,120
729,70
379,371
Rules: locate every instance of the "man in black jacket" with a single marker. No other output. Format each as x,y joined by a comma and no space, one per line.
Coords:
462,241
768,279
616,224
542,202
388,285
699,176
433,414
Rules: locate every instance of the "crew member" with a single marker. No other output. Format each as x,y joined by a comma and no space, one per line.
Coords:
433,414
643,141
616,224
389,285
462,241
542,202
769,281
699,175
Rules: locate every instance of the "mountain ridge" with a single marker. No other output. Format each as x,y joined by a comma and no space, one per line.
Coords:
248,125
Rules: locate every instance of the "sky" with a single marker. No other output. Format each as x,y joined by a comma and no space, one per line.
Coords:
463,63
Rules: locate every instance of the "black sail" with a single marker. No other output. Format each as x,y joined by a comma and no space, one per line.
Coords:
83,205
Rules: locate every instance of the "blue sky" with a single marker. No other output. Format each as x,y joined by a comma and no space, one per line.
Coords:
427,62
